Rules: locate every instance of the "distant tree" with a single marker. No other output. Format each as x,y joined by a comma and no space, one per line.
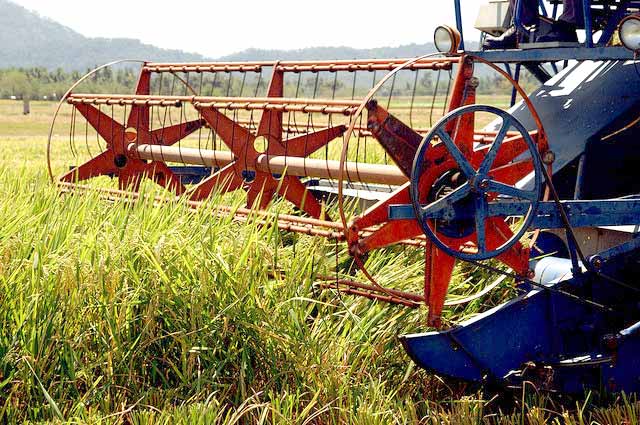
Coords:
16,83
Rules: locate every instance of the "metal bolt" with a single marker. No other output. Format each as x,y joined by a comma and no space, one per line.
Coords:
120,161
474,82
597,262
549,157
484,184
610,341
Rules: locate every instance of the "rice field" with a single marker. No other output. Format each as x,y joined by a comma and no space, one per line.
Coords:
120,313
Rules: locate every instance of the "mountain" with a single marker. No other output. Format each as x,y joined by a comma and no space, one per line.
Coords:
29,40
322,53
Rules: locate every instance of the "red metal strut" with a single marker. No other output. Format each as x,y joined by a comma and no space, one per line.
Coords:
241,141
117,160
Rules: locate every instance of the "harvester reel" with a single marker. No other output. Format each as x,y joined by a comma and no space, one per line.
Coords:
280,139
470,203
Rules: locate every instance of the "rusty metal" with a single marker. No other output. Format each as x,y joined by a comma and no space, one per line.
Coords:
301,66
345,107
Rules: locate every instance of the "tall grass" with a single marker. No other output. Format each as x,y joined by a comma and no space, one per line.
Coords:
129,313
107,306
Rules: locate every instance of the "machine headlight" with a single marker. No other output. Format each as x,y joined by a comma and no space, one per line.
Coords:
629,32
446,39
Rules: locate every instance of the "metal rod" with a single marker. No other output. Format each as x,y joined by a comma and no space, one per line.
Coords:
516,78
400,294
296,166
77,98
303,66
480,136
586,14
371,295
305,225
346,107
458,10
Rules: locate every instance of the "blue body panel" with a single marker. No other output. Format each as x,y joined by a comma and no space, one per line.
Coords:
579,108
583,103
483,347
613,212
551,330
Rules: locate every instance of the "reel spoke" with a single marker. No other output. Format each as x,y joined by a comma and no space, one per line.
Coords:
455,152
98,166
305,145
446,202
438,271
168,136
234,135
480,217
505,189
110,130
139,118
390,233
495,147
297,193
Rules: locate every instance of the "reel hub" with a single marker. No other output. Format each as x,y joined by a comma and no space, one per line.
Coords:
449,225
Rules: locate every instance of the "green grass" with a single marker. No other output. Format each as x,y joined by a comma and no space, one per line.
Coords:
120,313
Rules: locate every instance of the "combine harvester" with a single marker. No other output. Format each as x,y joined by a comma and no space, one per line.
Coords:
546,189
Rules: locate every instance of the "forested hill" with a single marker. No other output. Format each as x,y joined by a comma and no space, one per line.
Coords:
322,53
29,40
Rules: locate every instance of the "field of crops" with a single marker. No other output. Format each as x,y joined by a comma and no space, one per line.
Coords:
130,313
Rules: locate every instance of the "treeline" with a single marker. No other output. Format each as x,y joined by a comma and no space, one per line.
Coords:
497,84
40,83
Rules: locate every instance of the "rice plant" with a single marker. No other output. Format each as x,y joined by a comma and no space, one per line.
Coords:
127,312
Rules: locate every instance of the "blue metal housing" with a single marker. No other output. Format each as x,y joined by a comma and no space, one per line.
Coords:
576,326
573,345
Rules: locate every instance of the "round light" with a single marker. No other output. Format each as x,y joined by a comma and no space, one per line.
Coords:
446,39
629,32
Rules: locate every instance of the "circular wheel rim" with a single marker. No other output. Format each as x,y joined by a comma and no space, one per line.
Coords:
478,184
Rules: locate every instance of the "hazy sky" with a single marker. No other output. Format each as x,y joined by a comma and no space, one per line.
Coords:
215,28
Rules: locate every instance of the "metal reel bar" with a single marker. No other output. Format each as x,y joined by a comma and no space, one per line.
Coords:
302,66
286,222
280,164
231,103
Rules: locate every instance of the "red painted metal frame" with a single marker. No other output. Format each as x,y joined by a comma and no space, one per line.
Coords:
371,230
262,187
438,265
116,160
